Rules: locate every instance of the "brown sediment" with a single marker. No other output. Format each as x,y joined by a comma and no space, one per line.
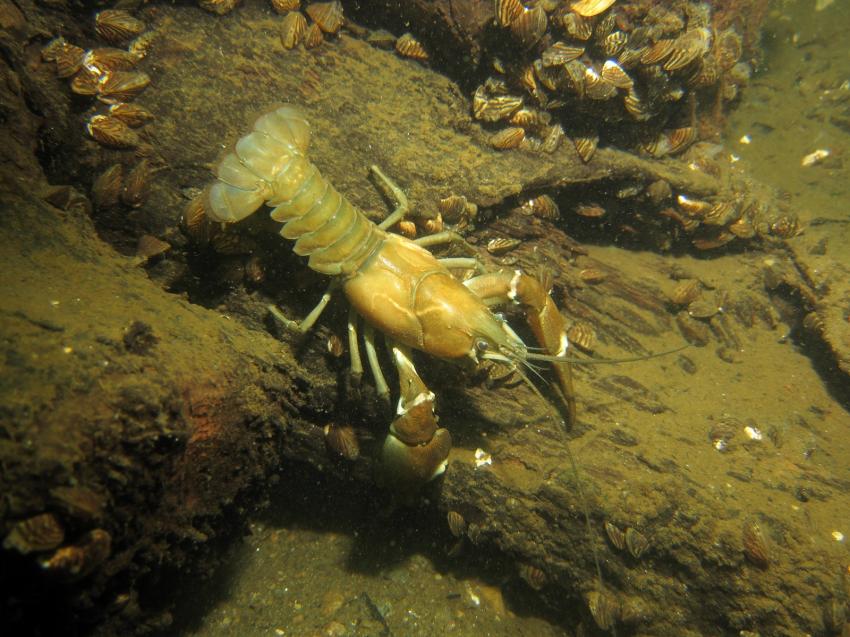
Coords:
177,432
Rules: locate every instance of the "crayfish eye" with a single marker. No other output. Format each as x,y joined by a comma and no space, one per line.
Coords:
481,345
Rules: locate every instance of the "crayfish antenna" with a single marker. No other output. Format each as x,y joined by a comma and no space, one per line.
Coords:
574,467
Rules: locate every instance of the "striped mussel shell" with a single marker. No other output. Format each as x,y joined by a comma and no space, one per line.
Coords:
658,191
592,276
528,81
108,59
502,245
590,211
614,74
561,53
131,114
552,77
285,6
106,188
195,221
636,542
604,608
313,36
149,247
596,87
575,74
496,86
122,86
690,46
41,532
586,146
452,208
292,29
630,56
605,25
673,93
342,441
135,189
507,11
542,206
140,45
578,27
681,138
728,49
117,26
255,274
701,308
407,228
545,207
79,502
409,47
740,73
613,43
659,146
728,89
813,322
80,559
334,345
86,82
721,214
51,50
529,26
552,139
686,292
328,15
457,524
583,335
835,616
531,144
433,225
756,547
786,227
533,576
69,60
743,229
590,8
218,7
495,108
658,52
710,242
707,74
112,132
616,536
530,118
693,207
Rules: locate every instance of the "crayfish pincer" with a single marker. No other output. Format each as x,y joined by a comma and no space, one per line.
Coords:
394,285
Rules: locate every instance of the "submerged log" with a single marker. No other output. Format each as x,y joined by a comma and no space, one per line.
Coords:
157,418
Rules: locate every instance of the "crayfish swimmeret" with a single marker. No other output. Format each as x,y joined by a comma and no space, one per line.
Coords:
394,285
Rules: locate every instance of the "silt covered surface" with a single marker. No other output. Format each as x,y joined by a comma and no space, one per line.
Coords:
176,435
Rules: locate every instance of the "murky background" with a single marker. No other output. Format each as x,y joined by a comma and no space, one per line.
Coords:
166,458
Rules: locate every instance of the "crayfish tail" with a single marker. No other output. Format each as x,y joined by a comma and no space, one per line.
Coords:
247,174
228,204
288,125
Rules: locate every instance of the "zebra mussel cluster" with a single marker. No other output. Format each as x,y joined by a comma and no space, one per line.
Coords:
635,73
109,74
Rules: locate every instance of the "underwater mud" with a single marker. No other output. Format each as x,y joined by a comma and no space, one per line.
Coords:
714,478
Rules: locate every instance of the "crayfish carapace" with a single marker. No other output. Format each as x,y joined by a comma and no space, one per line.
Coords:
394,285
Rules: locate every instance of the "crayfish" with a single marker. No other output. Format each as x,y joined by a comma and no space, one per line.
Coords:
393,284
